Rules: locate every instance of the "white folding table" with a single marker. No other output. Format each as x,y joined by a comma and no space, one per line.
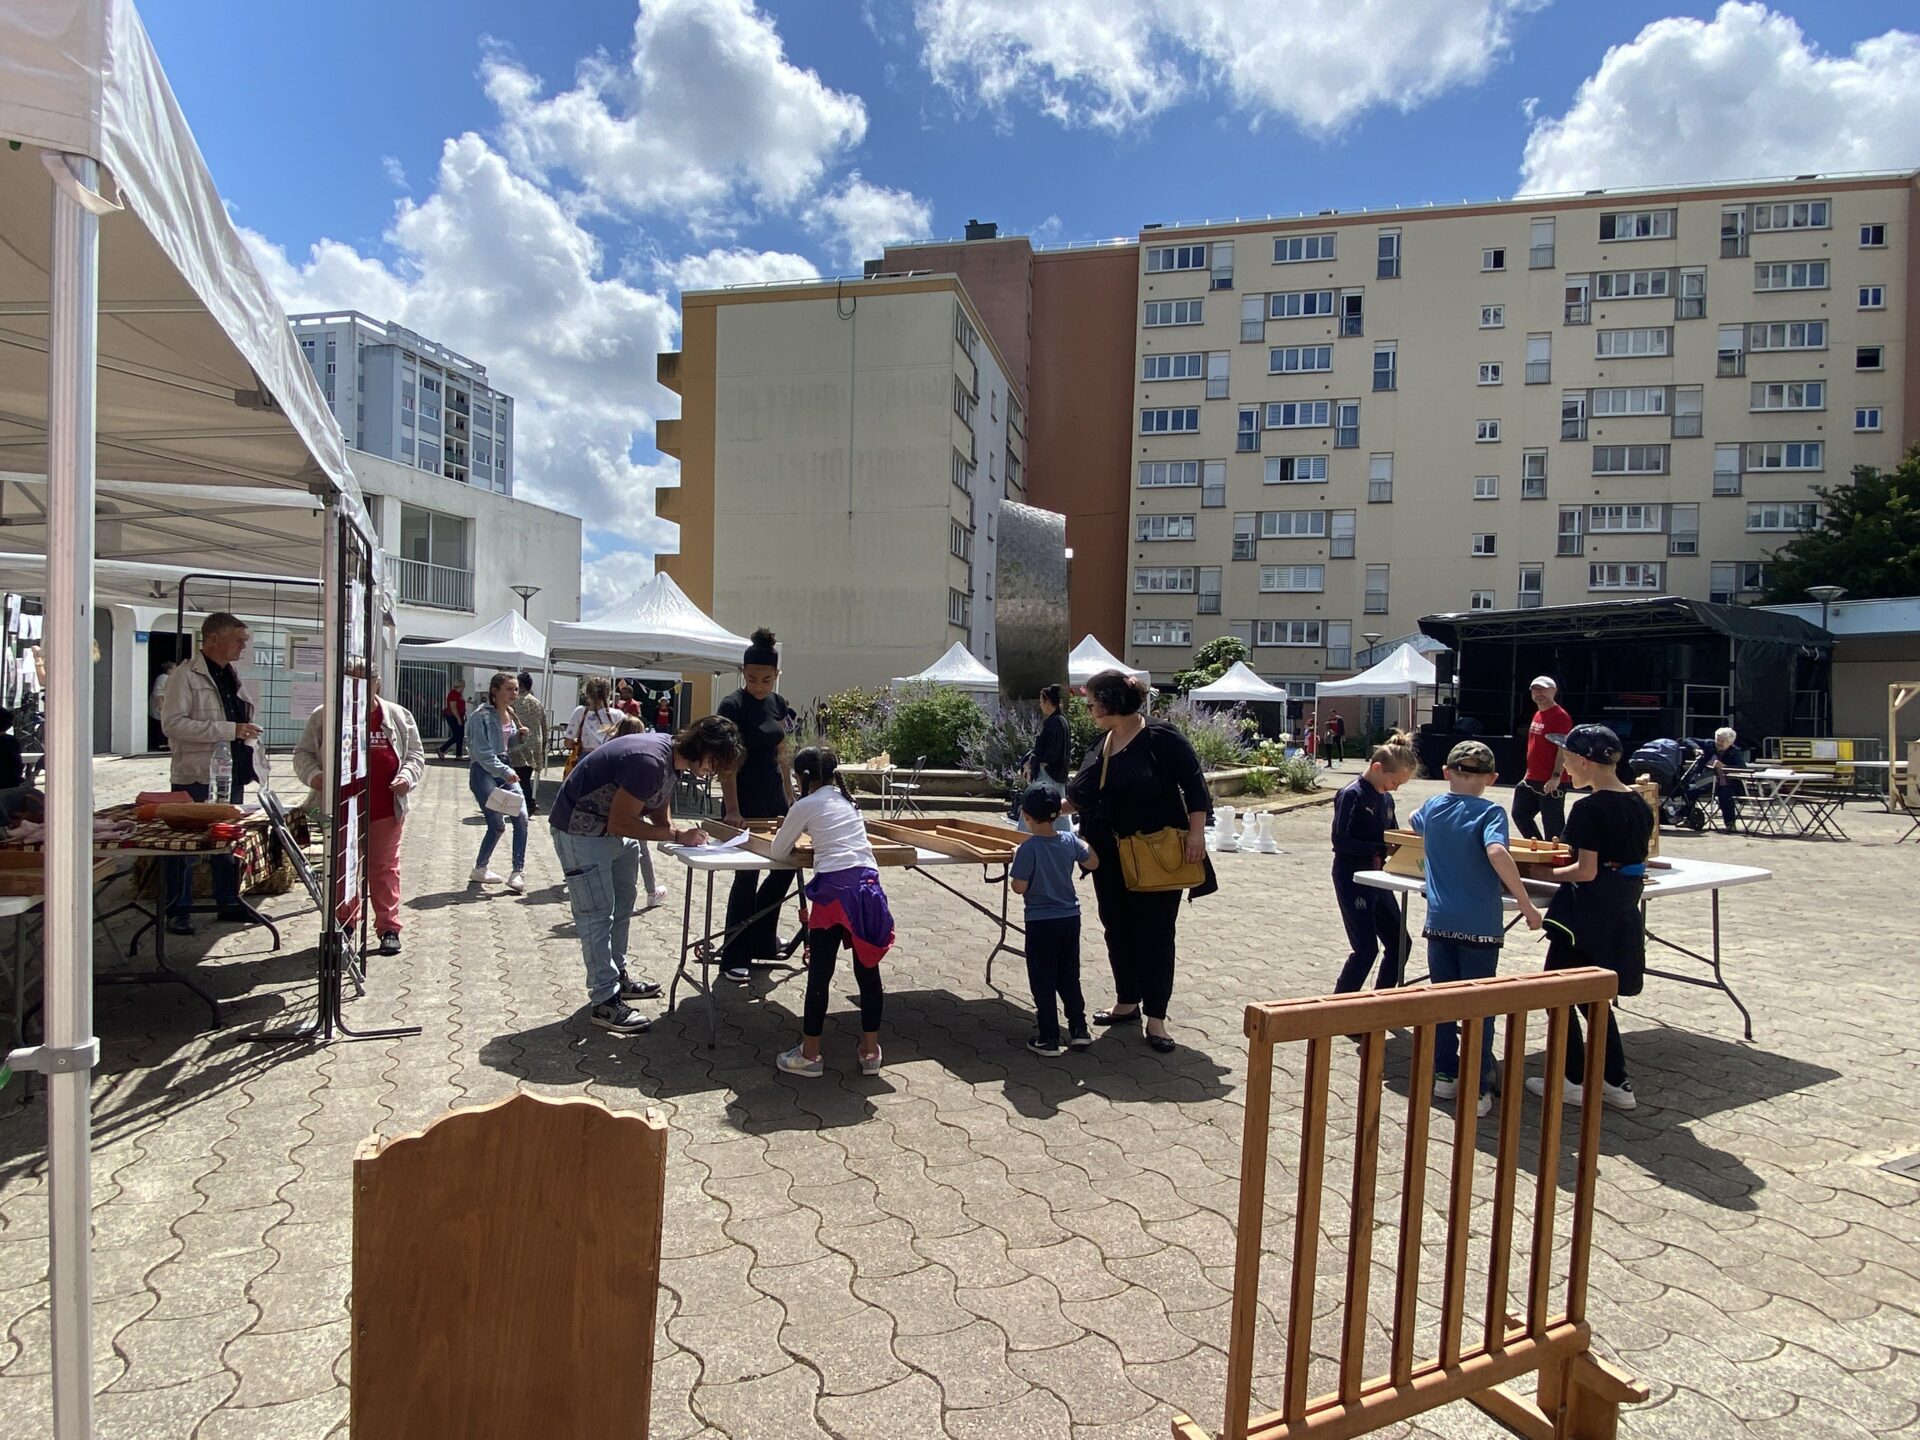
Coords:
1673,878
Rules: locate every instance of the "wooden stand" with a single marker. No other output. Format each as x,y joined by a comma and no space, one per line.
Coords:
967,839
760,833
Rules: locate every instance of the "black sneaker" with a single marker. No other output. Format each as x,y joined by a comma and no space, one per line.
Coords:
1079,1039
640,989
390,943
1039,1045
180,924
235,915
619,1017
738,974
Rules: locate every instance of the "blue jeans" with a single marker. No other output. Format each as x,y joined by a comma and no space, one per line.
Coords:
1456,960
482,784
603,878
226,873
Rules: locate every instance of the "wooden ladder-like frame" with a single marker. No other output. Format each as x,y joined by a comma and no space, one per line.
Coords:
1578,1396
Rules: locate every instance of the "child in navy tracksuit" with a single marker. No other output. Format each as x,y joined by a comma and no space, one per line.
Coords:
1362,815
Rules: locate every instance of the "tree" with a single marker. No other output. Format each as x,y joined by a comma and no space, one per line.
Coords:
1211,661
1868,540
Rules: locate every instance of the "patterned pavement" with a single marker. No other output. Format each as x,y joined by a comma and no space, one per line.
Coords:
981,1243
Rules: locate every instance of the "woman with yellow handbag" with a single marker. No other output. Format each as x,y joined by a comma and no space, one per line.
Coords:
1142,802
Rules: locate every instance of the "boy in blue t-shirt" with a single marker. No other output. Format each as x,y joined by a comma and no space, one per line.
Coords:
1467,864
1042,871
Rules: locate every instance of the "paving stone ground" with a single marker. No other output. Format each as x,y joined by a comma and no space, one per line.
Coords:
981,1243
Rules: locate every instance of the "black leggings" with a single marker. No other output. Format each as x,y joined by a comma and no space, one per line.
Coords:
1139,928
823,947
1372,918
754,891
1563,955
1531,805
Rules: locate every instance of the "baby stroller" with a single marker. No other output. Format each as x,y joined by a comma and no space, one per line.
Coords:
1684,776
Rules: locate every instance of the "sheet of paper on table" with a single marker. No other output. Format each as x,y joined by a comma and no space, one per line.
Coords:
734,844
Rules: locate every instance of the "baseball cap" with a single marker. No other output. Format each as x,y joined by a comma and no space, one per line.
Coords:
1593,742
1041,802
1471,757
1543,682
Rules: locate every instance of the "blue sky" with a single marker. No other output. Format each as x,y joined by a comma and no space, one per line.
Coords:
461,172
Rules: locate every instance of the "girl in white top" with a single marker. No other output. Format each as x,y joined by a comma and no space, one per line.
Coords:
845,901
592,724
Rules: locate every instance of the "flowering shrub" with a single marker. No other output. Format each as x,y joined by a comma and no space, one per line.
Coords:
1213,732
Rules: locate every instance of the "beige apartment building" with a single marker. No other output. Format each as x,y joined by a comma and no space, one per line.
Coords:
1347,421
844,449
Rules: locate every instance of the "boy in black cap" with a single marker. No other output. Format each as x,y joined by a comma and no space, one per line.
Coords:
1042,872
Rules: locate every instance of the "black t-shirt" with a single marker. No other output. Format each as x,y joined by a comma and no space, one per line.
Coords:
763,728
1617,826
227,681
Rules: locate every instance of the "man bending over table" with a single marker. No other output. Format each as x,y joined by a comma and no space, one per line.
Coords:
618,798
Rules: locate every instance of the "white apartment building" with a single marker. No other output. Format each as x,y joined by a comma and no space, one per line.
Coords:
854,440
1346,421
406,398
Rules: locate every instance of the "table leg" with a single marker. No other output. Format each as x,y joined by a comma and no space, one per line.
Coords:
1719,980
707,961
686,944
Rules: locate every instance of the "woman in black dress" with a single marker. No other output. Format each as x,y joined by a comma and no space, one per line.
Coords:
1048,763
1142,776
762,789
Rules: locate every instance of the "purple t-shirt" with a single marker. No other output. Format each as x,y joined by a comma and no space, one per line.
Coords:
641,765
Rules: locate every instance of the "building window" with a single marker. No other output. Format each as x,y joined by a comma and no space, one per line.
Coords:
1173,312
1177,420
1163,580
1480,600
1873,297
1288,632
959,540
1633,284
1788,335
1353,305
1776,515
1623,519
1868,357
1209,592
1176,257
1867,419
1299,359
1494,258
1248,437
1791,275
1873,237
1486,487
964,403
1339,644
1689,403
1296,469
1786,455
963,472
1733,232
963,331
1298,304
1683,530
1630,459
1539,359
1294,249
1691,302
1221,277
1213,484
1490,372
1572,532
1623,575
1253,319
1284,579
1533,475
1299,414
1346,425
1246,536
1629,400
1533,585
1386,362
1293,524
1377,590
1637,225
1340,536
1732,579
1493,317
1483,544
1629,344
1159,474
1486,432
1163,632
1173,367
1787,395
1389,250
1540,244
1792,215
1380,480
1217,372
1574,303
1163,527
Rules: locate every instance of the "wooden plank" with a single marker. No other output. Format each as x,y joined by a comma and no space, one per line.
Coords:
1587,1162
1519,1416
1306,1229
1255,1130
1413,1198
935,836
1466,1133
760,842
500,1258
1506,1166
1546,1190
1366,1171
1282,1021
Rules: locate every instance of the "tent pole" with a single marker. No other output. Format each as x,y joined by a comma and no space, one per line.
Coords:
67,962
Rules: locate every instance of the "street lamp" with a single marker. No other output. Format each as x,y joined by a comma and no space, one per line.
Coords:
1372,637
526,593
1826,595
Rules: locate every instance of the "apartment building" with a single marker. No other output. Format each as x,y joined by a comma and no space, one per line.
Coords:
1345,421
844,447
403,397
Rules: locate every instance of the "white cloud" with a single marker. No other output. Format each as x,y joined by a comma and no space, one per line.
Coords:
395,172
859,220
706,104
1740,96
719,268
609,577
1115,63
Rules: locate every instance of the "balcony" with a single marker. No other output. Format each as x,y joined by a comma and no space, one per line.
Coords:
666,369
435,587
666,437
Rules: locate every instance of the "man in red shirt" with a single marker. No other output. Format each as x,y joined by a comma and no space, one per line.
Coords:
453,712
1538,796
623,699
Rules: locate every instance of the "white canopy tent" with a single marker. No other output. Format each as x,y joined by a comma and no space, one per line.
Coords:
1090,657
957,668
139,347
508,643
1239,686
657,628
1404,673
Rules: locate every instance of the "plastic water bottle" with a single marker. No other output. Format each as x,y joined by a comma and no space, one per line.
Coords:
222,774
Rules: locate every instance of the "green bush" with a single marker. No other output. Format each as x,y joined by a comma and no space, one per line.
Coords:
1259,783
1214,733
1082,733
1299,774
935,721
855,723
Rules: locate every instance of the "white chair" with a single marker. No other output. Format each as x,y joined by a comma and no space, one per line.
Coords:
905,791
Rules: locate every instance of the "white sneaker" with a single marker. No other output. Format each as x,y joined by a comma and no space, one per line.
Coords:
1445,1087
659,894
480,875
1618,1097
517,883
1485,1107
870,1064
1569,1092
795,1062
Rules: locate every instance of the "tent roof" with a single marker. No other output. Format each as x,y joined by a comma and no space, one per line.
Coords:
1238,686
199,379
507,643
656,627
1655,616
1399,673
1090,657
956,667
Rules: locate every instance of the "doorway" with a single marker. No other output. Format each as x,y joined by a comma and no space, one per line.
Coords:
165,649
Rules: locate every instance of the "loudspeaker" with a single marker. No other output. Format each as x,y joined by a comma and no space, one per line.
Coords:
1443,719
1443,667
